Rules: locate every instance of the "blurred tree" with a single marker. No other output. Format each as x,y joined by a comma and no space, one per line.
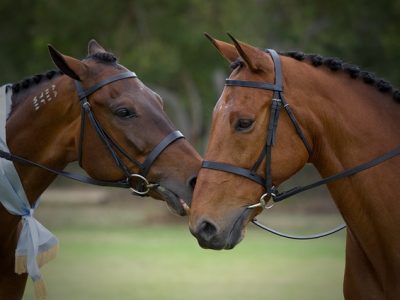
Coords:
163,40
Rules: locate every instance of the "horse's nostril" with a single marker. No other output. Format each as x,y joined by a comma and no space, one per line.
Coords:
192,182
206,230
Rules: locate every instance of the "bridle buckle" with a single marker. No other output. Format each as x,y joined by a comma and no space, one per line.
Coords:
86,106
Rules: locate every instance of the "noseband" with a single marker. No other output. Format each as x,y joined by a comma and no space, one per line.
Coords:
137,182
278,101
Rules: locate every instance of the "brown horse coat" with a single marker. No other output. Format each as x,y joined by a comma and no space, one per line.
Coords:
346,121
48,133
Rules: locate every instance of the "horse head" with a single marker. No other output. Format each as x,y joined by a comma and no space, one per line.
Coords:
117,129
238,136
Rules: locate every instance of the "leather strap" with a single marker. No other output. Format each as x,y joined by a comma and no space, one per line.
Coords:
234,170
277,69
77,177
296,125
82,93
105,138
170,138
278,98
271,138
253,84
340,175
86,109
82,134
299,237
277,101
121,150
277,88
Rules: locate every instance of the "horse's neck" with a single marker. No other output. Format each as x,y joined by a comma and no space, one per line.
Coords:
354,126
352,123
42,129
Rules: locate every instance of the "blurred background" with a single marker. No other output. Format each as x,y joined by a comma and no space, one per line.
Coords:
115,246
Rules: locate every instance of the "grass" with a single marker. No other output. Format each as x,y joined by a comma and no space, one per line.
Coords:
120,247
165,262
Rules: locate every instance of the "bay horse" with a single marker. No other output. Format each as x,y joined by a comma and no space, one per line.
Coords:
96,111
335,116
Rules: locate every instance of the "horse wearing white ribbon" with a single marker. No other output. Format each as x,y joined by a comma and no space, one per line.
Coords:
94,111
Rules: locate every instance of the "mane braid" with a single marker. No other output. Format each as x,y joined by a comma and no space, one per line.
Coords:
237,63
336,64
24,84
103,57
35,79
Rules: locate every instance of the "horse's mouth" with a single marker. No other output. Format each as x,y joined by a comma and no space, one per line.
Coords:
238,230
174,202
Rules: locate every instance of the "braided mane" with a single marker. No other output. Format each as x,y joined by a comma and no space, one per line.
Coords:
35,79
336,64
101,57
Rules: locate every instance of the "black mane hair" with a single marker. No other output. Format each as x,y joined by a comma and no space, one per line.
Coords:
35,79
336,64
355,72
101,57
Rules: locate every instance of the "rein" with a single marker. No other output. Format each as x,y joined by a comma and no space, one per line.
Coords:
142,185
278,100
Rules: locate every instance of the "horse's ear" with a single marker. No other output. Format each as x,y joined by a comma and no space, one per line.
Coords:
245,52
226,50
94,47
70,66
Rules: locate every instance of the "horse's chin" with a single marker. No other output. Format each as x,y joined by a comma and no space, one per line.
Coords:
174,202
238,231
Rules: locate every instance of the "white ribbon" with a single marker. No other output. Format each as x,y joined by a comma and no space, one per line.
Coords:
35,240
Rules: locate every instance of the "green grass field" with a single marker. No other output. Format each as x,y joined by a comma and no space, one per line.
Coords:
127,248
165,263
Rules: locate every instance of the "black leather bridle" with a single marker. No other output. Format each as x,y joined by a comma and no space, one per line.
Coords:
278,101
137,182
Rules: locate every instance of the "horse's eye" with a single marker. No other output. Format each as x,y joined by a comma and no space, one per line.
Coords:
244,124
124,113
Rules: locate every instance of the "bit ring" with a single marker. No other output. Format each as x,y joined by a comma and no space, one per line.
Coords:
143,184
263,203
